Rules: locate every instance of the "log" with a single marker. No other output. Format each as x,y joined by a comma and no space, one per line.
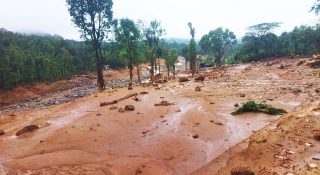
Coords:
118,100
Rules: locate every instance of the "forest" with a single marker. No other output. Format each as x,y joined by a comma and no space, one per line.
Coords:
26,59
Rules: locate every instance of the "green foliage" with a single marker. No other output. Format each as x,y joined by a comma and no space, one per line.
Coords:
94,18
27,59
262,29
252,106
316,7
216,42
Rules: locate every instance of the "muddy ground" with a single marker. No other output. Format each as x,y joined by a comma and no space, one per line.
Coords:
195,135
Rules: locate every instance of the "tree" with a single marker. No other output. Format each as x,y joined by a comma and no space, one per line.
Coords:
128,35
216,41
192,50
152,35
94,18
262,29
186,54
171,57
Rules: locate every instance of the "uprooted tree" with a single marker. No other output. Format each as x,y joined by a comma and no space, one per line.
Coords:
94,18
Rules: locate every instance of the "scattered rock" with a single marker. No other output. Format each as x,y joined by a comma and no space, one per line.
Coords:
200,78
130,88
242,95
196,136
121,110
296,91
317,90
161,81
113,108
197,89
157,88
129,108
164,103
300,63
312,165
316,135
236,105
144,93
183,79
2,132
242,171
27,129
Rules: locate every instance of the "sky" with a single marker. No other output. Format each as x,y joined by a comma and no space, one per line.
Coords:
52,17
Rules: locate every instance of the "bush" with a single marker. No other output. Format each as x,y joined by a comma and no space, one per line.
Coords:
252,106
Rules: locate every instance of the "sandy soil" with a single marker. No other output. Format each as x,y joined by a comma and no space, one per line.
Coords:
196,135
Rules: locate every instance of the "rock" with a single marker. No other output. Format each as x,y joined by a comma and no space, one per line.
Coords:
2,132
130,88
242,171
312,165
183,79
242,95
316,135
113,108
297,91
144,93
157,88
121,110
197,89
27,129
200,78
236,105
317,90
196,136
164,103
300,63
129,108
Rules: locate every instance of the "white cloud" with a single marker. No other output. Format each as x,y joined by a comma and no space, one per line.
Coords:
51,16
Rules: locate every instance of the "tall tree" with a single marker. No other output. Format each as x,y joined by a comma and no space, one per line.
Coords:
94,18
128,35
192,50
152,35
216,42
171,57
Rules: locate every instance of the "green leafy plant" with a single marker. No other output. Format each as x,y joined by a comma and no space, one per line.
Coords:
252,106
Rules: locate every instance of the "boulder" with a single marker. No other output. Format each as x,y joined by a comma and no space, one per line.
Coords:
316,135
200,78
197,89
183,79
241,171
2,132
27,129
113,108
129,108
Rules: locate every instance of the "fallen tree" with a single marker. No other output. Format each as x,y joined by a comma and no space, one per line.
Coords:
118,100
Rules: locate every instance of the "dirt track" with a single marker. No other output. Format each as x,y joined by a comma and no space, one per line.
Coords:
82,137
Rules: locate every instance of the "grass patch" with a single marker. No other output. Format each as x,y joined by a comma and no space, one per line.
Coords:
252,106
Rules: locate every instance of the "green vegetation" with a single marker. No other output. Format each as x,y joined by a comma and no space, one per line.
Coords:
94,18
216,42
252,106
27,59
127,36
171,58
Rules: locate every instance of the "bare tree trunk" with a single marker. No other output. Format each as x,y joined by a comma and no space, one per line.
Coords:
186,64
100,81
159,65
138,74
152,72
168,71
130,71
174,72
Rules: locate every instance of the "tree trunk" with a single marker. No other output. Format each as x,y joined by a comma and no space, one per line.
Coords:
186,64
100,81
174,72
131,71
138,74
168,71
159,65
152,72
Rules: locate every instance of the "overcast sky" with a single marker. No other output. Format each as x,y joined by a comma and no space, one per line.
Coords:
51,16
